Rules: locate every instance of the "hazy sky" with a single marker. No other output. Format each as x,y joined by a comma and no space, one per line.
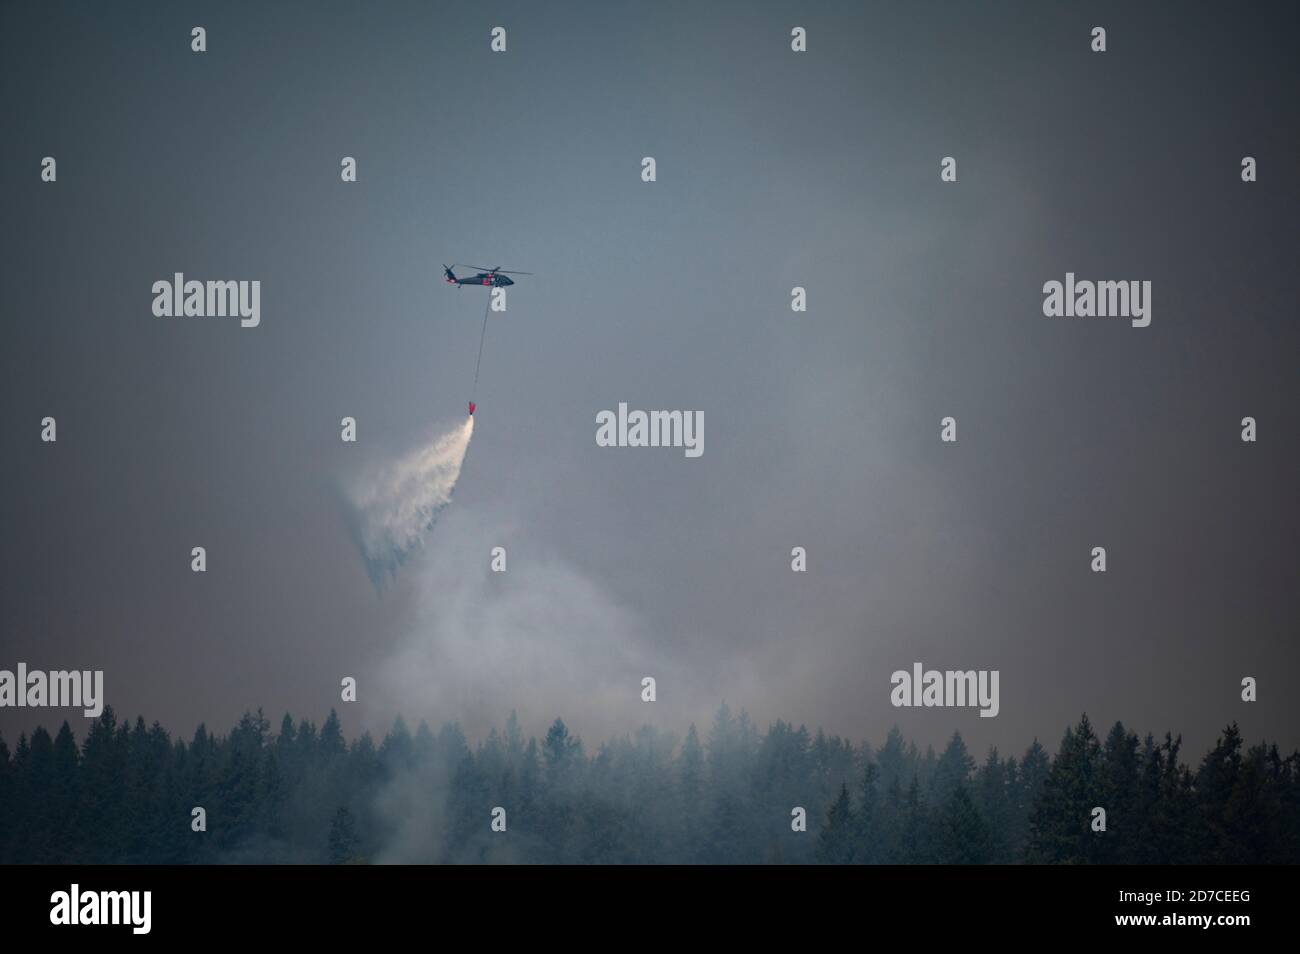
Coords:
775,169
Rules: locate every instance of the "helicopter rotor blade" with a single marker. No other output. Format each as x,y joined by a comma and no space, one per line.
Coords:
497,270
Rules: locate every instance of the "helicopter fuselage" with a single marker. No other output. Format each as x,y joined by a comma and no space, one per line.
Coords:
483,278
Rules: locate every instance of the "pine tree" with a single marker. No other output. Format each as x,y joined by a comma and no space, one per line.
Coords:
100,824
1061,830
1034,768
892,761
38,772
344,846
1119,786
562,755
63,796
914,843
9,799
993,798
869,836
835,842
952,770
963,837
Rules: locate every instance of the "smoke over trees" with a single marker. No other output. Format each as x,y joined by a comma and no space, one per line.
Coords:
305,794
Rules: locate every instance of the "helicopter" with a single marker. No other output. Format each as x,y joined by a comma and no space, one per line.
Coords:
494,277
486,276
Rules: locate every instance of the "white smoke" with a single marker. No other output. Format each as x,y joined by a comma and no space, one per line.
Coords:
396,503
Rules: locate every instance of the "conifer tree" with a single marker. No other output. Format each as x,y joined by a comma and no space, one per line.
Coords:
835,842
344,846
1061,830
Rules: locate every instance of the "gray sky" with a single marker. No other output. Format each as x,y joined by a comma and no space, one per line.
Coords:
775,169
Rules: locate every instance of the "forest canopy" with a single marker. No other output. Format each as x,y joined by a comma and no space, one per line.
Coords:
304,794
